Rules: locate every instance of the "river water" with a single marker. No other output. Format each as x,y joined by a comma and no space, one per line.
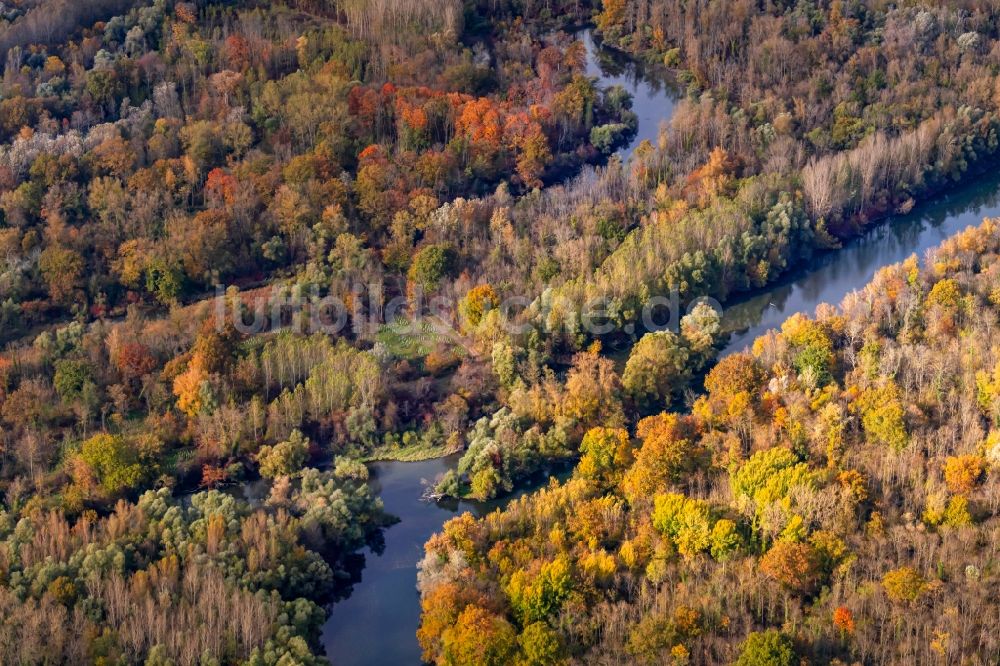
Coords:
654,95
377,623
831,275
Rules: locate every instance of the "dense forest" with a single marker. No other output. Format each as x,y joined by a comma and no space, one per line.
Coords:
153,150
831,497
186,186
801,125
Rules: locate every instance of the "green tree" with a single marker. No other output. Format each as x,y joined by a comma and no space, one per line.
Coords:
812,349
285,458
540,646
605,452
688,522
72,378
484,484
768,475
700,329
606,137
115,464
431,265
767,648
165,280
657,367
726,540
882,416
535,597
202,143
103,86
62,269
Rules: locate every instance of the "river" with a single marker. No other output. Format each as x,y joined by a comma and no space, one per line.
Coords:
654,95
377,623
831,275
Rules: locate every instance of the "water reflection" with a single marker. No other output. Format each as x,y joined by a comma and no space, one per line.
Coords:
832,275
377,623
654,94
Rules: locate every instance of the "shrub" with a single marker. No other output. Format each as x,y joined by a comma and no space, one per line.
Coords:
767,648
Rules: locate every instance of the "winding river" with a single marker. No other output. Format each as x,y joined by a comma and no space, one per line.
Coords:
377,623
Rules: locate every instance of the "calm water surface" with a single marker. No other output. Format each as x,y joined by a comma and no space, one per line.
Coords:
376,624
654,93
832,275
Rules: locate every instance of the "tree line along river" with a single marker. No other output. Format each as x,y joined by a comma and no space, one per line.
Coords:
376,624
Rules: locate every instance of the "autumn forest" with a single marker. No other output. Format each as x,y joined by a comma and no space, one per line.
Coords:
261,260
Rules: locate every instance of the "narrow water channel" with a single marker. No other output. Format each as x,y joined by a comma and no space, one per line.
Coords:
377,623
831,275
654,95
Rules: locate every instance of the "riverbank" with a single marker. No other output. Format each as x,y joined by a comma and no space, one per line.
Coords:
377,623
413,453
